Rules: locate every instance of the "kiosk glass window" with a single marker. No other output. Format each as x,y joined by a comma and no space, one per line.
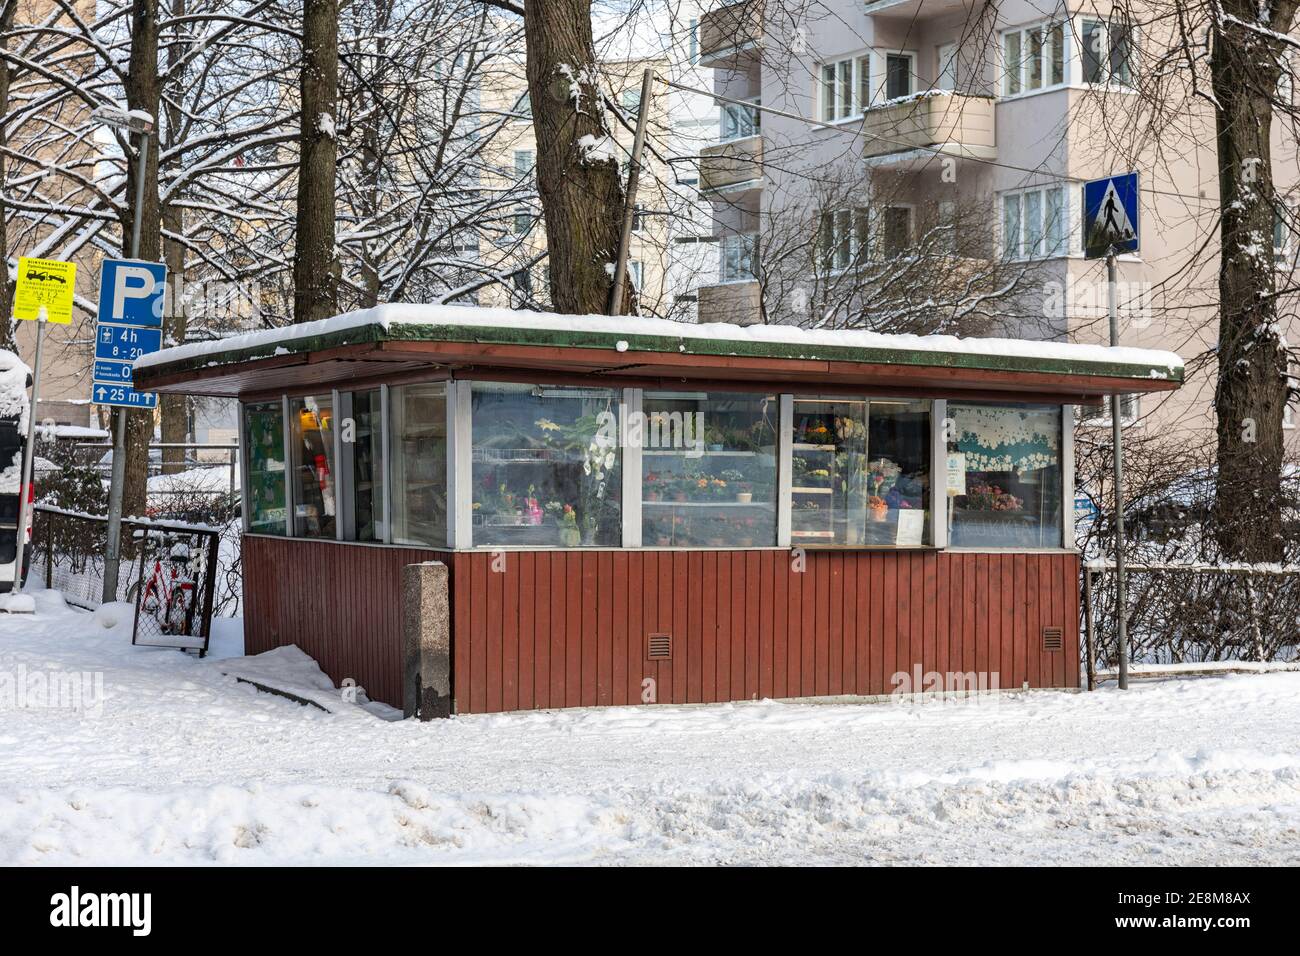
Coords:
1004,476
367,442
418,431
860,473
709,470
311,445
264,448
546,466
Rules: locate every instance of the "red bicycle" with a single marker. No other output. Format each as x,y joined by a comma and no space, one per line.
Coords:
168,593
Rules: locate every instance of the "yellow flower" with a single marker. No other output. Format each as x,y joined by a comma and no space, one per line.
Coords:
546,425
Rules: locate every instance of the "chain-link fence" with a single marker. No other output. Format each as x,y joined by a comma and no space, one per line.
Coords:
169,571
1186,613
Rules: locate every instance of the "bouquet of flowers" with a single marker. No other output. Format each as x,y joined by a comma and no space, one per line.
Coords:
991,498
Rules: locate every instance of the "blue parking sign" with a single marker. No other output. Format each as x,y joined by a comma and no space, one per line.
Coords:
132,292
123,395
1110,216
125,343
131,298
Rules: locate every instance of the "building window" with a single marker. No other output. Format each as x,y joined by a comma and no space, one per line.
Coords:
736,264
522,282
311,449
1034,223
845,88
545,466
693,42
860,473
638,218
523,222
1107,52
523,109
896,234
1130,409
899,70
264,448
843,238
1004,476
630,100
418,431
635,273
1283,251
524,161
739,122
709,470
1033,58
946,67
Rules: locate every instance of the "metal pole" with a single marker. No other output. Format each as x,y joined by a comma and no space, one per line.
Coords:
113,549
629,209
1089,634
1116,430
29,452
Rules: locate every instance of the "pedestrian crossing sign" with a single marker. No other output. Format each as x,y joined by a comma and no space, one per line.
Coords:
1110,215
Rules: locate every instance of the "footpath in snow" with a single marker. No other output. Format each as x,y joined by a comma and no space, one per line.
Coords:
175,762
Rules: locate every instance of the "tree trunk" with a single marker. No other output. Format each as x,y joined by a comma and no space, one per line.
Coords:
1250,395
174,409
577,163
142,93
315,265
8,339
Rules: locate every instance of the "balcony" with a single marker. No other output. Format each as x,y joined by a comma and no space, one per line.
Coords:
730,32
954,124
734,302
733,167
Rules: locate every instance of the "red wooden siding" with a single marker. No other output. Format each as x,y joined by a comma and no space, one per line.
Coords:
569,628
340,603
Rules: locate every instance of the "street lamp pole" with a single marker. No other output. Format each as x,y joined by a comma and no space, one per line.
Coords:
136,125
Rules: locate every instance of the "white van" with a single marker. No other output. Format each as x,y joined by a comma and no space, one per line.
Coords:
15,379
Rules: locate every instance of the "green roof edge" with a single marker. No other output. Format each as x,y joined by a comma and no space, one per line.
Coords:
581,338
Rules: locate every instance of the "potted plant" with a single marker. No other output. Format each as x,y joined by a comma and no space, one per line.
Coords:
570,536
877,510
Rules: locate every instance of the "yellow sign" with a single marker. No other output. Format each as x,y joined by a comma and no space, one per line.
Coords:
45,284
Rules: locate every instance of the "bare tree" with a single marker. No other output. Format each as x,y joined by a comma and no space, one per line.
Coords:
315,266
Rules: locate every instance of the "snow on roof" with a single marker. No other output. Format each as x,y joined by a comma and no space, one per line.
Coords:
634,333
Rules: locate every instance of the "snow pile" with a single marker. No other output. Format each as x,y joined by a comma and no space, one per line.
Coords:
185,765
1162,364
14,374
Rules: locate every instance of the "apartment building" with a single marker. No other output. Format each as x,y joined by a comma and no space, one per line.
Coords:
921,106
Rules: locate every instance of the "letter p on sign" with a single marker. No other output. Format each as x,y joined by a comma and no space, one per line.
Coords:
131,292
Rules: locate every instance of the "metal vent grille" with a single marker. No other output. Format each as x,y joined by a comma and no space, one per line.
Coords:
1053,639
659,647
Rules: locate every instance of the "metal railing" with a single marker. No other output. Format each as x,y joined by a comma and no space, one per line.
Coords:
1191,613
169,571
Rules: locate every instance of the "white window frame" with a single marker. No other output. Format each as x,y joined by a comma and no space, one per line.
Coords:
732,247
837,109
1043,28
948,64
1284,256
1288,407
883,89
1023,254
1108,80
752,121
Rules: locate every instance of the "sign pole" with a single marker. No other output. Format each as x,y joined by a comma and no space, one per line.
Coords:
1116,430
113,551
29,453
629,207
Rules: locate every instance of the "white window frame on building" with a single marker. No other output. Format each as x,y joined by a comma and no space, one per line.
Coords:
737,122
1109,74
525,160
1284,252
1039,72
889,93
946,66
1038,197
736,257
843,88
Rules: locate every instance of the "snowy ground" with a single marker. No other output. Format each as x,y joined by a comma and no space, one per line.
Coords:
182,764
